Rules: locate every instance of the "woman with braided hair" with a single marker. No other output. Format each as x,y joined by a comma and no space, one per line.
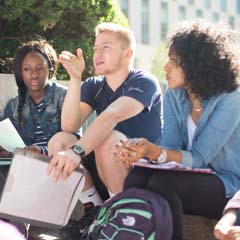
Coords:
36,111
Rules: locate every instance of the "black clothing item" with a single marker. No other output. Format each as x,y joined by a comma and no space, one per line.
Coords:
90,164
191,193
74,229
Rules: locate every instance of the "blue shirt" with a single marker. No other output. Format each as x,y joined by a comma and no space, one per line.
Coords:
216,141
138,85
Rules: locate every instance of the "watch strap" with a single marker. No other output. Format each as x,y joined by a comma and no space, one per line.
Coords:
79,150
162,158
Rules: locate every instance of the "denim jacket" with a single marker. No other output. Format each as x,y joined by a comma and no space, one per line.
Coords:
49,119
216,142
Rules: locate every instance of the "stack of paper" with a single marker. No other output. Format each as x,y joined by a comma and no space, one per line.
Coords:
9,137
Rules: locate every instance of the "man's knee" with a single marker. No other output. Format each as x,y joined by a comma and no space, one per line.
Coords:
108,146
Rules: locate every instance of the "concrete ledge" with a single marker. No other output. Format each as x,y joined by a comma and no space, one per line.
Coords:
8,89
200,228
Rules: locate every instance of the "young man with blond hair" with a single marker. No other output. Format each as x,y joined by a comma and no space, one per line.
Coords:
127,103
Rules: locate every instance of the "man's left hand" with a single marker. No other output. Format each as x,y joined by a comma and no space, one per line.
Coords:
63,164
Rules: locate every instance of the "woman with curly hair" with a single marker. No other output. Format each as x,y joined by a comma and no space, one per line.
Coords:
201,126
36,111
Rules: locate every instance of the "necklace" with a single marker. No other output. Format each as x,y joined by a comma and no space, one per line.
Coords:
197,109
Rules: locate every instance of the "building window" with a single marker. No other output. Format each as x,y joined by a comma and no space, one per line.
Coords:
145,29
191,2
199,13
207,3
164,20
223,5
124,7
215,17
238,6
231,21
182,13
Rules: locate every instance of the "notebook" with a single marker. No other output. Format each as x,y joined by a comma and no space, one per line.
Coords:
31,196
171,166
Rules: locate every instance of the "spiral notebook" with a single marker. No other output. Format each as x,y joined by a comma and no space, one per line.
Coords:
29,195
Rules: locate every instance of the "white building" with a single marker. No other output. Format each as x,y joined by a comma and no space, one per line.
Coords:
151,20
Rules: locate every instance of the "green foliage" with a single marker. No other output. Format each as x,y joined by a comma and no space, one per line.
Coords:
67,24
158,63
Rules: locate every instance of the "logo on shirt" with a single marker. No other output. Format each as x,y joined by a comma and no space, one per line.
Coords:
135,89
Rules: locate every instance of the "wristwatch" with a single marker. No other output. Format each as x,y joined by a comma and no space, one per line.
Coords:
162,158
79,150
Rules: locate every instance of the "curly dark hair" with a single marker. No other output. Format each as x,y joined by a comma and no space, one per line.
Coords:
208,56
41,46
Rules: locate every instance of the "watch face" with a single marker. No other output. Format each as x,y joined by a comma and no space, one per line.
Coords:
78,149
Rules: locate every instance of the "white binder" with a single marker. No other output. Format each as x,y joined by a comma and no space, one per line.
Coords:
31,196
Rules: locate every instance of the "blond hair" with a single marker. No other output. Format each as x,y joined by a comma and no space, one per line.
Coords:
123,33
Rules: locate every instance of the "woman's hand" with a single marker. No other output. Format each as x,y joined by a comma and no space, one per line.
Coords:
221,231
74,65
34,148
133,149
4,153
227,233
224,229
234,233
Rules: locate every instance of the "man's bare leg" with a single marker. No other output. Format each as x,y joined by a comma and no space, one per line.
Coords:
112,172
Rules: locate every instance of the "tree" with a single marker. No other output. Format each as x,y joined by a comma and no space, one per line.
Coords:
158,63
66,24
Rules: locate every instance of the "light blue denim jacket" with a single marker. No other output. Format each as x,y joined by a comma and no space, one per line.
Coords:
49,119
216,142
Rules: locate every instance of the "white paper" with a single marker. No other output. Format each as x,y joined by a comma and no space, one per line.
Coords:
9,137
32,195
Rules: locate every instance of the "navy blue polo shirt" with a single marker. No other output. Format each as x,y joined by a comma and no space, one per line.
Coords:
139,85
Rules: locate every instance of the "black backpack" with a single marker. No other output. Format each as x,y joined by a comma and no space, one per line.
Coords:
134,214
